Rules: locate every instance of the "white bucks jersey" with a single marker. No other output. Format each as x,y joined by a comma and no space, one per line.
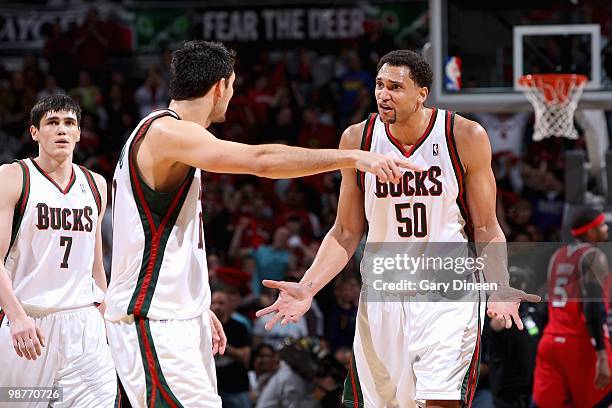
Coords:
51,254
426,206
159,264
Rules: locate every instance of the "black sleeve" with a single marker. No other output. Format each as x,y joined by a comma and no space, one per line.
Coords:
594,313
241,336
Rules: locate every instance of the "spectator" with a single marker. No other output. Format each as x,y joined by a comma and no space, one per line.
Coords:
87,93
32,73
58,51
272,261
351,82
50,88
15,102
513,351
153,93
115,107
314,134
340,319
264,365
92,44
276,337
293,385
232,377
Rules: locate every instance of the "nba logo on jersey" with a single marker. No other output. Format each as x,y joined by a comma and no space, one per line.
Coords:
83,189
434,149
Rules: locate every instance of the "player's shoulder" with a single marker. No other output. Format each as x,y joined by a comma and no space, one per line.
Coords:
11,180
169,127
471,139
98,179
352,135
468,131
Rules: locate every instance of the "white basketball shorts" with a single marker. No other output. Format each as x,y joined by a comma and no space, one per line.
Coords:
407,351
165,362
76,360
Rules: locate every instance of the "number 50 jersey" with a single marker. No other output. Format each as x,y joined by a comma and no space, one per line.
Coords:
426,206
51,254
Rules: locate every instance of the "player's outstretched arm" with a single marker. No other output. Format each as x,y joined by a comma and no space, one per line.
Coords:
27,338
189,143
336,250
475,154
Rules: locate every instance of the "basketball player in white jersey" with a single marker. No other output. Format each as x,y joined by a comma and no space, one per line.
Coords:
52,275
159,323
408,352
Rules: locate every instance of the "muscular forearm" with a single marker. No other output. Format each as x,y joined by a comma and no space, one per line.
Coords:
280,161
333,255
8,301
491,246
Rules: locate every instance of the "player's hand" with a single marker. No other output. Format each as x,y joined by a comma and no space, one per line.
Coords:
219,341
602,370
503,305
384,167
293,301
28,339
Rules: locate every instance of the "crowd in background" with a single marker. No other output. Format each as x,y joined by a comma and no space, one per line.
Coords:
271,229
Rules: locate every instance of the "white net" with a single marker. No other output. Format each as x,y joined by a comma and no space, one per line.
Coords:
554,98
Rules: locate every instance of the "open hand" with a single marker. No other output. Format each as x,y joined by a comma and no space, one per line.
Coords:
293,301
504,303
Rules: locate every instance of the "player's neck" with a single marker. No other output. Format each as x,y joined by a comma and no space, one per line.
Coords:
196,110
409,130
59,169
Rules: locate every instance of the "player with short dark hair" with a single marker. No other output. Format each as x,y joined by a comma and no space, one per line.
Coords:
53,274
405,349
574,356
160,327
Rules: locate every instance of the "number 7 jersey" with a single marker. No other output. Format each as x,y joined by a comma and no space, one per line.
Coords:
51,255
426,206
159,262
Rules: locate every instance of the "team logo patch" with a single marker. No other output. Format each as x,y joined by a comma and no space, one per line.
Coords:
435,149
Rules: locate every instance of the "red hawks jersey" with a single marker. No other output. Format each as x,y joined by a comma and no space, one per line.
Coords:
565,293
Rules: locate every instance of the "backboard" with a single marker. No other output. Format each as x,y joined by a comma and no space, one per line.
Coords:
479,49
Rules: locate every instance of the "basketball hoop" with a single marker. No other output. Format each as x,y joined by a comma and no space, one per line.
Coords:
554,98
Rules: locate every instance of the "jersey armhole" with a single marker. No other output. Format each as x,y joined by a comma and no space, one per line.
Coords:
366,144
20,206
451,145
93,187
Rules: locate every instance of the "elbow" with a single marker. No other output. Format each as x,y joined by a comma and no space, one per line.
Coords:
488,231
346,237
261,164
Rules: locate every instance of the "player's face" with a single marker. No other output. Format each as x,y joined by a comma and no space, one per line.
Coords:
397,95
57,134
224,93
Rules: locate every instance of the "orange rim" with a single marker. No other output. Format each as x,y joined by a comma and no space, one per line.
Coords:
554,87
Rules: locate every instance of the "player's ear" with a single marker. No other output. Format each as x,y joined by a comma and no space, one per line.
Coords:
423,92
34,133
78,139
220,88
